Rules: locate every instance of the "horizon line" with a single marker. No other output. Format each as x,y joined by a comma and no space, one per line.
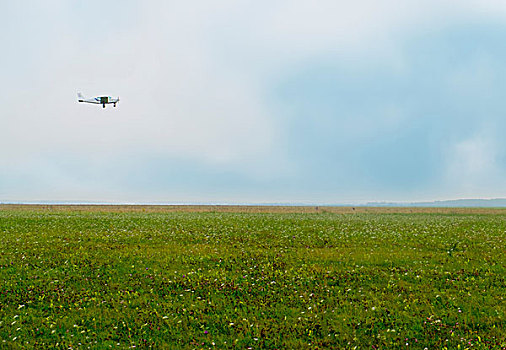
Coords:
369,203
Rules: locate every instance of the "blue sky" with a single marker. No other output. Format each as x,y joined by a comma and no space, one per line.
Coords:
242,101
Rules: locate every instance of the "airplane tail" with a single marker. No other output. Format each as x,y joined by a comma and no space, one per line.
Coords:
80,97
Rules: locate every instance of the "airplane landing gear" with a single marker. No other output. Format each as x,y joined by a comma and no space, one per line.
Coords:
115,105
103,105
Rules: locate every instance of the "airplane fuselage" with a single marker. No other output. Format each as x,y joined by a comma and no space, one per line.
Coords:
101,100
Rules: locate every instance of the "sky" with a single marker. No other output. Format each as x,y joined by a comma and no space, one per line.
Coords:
236,101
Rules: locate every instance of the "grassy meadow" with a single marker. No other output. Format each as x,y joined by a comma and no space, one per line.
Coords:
252,277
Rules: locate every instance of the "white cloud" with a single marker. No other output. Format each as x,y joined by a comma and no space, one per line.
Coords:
193,76
177,100
472,167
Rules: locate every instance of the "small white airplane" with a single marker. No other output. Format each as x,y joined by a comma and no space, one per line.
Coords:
99,100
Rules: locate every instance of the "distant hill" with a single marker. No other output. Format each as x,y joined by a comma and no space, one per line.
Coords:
484,203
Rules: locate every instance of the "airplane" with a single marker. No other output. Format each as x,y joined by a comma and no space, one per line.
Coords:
100,100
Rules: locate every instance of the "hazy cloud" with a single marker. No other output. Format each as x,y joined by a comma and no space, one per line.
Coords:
242,100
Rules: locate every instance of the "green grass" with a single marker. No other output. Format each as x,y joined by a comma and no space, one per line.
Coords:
224,280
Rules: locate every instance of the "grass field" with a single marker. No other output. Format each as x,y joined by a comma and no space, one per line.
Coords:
252,277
